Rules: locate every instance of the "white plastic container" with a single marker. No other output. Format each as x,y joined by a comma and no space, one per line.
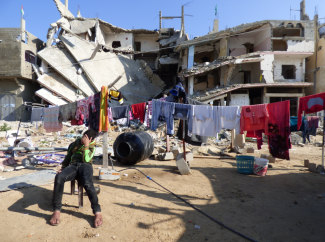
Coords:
260,167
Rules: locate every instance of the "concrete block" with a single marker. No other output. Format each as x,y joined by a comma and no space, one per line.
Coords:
183,167
162,149
312,167
306,163
268,157
175,151
250,150
319,169
167,156
242,151
189,156
3,134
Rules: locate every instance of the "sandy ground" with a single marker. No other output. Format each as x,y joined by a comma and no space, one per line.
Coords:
282,206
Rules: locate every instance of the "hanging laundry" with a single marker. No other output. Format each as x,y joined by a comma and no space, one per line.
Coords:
94,115
103,117
279,129
80,121
51,119
194,139
229,118
37,114
258,134
67,112
310,104
109,114
138,111
150,109
121,112
254,117
203,120
115,95
165,109
182,111
311,125
293,124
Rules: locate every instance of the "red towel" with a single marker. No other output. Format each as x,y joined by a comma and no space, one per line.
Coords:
310,104
254,117
279,129
138,111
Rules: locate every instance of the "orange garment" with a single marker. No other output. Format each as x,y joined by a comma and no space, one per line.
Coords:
254,117
103,115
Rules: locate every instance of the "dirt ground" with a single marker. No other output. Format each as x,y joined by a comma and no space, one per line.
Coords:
282,206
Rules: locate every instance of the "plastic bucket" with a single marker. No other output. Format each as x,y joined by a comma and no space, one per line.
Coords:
260,167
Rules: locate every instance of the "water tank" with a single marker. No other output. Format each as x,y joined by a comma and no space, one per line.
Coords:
133,147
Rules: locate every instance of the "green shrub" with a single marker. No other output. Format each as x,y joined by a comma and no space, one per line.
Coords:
5,127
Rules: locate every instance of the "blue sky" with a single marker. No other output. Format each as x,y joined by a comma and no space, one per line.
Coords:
39,14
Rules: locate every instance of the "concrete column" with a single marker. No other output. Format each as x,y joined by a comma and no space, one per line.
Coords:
222,101
190,85
22,27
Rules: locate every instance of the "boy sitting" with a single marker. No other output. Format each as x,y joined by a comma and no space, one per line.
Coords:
77,164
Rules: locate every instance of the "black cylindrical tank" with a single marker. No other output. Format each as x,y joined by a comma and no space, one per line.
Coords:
133,147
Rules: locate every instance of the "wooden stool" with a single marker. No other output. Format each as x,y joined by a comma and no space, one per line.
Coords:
80,192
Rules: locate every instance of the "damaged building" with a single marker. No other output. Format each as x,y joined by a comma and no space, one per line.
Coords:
90,53
255,63
18,49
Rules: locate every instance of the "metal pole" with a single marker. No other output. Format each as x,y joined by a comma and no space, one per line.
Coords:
105,150
323,149
31,149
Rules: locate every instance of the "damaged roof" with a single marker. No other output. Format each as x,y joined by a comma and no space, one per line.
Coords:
224,33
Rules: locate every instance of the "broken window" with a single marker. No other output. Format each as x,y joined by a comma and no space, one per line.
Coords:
289,71
30,57
249,48
116,44
137,46
280,45
286,32
247,77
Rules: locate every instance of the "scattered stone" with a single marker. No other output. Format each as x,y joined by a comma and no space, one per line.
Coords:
17,168
301,145
312,167
250,150
306,163
8,170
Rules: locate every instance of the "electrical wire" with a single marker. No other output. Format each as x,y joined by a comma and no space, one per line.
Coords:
193,206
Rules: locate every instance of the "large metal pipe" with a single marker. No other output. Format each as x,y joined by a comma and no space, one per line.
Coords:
31,149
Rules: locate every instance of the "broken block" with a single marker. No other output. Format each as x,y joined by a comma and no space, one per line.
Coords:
183,167
312,167
268,157
306,163
189,156
250,150
167,156
162,149
242,151
175,151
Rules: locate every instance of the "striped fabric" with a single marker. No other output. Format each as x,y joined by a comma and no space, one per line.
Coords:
51,119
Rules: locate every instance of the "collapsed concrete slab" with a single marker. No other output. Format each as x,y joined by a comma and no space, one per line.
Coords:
48,96
63,10
62,61
105,67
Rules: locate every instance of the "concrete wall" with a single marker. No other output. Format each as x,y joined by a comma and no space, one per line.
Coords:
267,67
300,46
238,77
298,63
262,40
126,40
320,75
148,43
10,52
18,91
223,47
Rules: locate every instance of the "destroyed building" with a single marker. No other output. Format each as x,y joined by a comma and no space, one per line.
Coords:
89,53
18,50
255,63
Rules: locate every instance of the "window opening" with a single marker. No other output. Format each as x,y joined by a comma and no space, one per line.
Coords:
116,44
30,57
289,71
285,32
137,46
247,77
280,45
